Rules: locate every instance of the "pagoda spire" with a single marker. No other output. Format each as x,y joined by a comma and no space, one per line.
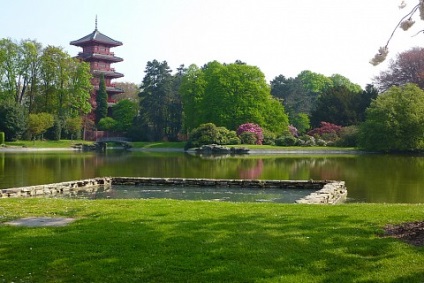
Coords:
95,24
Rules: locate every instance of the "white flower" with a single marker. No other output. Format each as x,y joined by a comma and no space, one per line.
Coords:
405,25
380,56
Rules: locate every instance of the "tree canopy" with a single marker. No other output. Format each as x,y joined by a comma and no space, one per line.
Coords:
395,120
229,95
408,67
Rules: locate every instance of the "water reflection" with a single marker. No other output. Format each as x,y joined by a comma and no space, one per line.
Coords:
369,178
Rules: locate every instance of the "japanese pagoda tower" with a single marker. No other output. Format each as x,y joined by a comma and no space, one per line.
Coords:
96,51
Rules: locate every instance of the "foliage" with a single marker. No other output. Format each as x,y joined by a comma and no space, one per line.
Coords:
124,113
73,126
252,128
408,67
12,120
160,102
269,137
2,138
301,122
337,105
107,124
286,140
101,100
248,138
300,94
327,131
211,134
131,91
348,136
39,123
44,80
395,120
229,95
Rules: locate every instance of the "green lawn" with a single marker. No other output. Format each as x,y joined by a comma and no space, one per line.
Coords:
187,241
46,143
172,145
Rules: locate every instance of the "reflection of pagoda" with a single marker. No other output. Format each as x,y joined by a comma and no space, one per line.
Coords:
96,51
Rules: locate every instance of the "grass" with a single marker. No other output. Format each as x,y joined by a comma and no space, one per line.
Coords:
158,145
169,145
46,143
189,241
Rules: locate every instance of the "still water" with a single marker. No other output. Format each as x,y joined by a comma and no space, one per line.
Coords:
370,178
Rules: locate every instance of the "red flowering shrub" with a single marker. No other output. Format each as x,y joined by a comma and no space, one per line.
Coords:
326,131
252,128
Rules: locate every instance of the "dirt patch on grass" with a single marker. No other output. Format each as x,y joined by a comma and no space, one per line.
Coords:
410,232
41,221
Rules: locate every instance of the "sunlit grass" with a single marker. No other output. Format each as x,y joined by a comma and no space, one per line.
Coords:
47,143
188,241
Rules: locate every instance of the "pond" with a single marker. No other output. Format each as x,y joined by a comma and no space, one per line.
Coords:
370,178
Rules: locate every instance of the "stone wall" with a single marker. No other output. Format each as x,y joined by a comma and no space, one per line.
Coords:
71,187
324,192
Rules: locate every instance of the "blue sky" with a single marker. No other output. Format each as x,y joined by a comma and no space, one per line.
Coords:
278,36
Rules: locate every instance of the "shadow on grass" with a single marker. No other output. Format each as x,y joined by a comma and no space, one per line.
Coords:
194,247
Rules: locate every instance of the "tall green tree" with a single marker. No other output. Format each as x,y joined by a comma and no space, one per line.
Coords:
192,91
13,120
229,95
160,103
395,120
124,113
101,100
39,123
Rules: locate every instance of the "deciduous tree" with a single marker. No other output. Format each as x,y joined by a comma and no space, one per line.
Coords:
395,120
408,67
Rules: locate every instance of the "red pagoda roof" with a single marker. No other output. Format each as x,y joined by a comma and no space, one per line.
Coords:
96,37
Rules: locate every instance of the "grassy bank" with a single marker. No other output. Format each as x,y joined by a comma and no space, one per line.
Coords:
169,145
185,241
46,143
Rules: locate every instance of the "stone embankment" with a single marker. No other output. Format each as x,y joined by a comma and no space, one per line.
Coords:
71,187
324,192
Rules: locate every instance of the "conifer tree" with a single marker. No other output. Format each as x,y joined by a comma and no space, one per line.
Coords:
101,100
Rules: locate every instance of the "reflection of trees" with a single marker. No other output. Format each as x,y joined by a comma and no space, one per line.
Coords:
253,172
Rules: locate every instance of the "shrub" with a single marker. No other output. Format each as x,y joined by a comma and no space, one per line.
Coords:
211,134
2,138
293,131
269,137
248,138
348,136
286,140
39,123
107,124
252,128
306,140
327,131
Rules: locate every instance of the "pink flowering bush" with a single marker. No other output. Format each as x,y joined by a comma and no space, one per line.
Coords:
251,128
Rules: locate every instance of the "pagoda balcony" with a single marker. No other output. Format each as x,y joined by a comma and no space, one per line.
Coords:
97,56
110,89
108,73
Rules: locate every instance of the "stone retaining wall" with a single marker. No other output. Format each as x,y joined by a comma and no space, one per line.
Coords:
71,187
325,192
